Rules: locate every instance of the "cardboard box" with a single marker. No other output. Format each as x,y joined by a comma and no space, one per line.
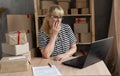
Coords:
45,4
14,38
27,55
77,35
44,11
80,20
64,5
81,28
14,64
40,12
74,11
85,38
65,11
85,11
17,22
15,49
81,4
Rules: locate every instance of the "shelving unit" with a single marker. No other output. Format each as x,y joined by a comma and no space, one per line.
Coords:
89,16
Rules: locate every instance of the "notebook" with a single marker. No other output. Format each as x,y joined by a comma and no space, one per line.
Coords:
98,51
46,71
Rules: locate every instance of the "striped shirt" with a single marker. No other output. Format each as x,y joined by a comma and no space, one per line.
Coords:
65,39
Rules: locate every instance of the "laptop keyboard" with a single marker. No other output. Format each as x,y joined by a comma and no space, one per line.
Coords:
76,62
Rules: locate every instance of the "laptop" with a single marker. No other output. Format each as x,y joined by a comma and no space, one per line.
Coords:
98,51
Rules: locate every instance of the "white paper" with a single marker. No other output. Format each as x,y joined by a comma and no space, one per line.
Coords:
17,57
46,71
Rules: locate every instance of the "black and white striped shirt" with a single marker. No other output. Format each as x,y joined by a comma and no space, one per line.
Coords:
62,44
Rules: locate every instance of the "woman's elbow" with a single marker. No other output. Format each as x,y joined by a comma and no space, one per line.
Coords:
45,55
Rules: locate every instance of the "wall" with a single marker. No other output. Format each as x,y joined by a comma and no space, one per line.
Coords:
102,18
102,15
13,7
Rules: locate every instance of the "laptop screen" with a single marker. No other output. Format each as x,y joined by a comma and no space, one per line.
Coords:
98,51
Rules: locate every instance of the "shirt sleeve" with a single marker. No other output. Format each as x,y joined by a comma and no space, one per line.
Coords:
71,35
42,39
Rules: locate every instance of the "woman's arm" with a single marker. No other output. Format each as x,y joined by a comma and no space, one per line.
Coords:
72,50
47,51
68,53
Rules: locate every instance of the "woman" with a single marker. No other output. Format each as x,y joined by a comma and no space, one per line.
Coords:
55,38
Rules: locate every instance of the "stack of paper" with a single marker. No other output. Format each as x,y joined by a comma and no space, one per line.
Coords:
46,71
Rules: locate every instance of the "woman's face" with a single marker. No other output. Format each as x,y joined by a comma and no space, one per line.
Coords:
54,19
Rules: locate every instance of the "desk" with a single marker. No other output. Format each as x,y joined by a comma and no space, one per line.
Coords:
95,69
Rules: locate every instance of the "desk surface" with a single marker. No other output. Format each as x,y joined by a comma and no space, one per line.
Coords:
95,69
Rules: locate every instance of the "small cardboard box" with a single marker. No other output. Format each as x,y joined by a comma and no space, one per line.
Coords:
74,11
81,3
15,49
44,11
85,11
66,11
85,38
64,5
14,38
81,27
80,20
17,22
77,35
45,4
14,64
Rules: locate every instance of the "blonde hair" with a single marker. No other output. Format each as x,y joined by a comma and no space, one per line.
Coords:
54,10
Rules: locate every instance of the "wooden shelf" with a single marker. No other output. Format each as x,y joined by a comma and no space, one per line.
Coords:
83,43
89,17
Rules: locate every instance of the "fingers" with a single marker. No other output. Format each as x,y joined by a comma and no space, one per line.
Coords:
57,58
56,24
55,28
60,57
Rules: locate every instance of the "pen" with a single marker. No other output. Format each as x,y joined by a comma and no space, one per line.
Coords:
49,65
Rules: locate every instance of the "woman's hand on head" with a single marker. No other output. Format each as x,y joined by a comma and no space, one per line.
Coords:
55,28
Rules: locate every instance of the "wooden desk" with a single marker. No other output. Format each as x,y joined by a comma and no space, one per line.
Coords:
95,69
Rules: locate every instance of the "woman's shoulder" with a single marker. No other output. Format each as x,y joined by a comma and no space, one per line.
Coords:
65,25
41,31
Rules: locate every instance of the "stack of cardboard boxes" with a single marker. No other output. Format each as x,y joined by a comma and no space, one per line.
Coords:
81,30
16,50
18,22
81,25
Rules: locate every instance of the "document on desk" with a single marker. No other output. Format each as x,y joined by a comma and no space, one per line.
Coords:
46,71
